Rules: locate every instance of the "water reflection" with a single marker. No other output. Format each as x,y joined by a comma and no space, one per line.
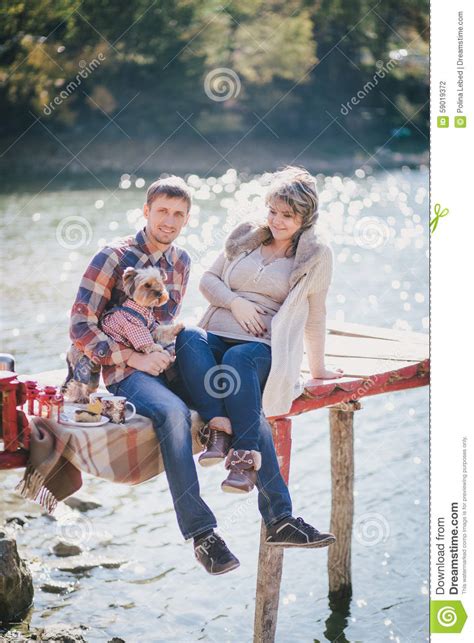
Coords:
338,619
378,226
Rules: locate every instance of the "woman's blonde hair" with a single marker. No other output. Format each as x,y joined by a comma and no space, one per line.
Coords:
297,188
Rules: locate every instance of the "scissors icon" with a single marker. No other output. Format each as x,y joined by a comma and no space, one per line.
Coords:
438,214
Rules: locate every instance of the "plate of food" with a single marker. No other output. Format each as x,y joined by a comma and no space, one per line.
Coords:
87,415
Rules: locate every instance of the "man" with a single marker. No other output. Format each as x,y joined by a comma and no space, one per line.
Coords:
141,378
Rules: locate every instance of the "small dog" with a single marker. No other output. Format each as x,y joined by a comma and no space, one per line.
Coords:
133,323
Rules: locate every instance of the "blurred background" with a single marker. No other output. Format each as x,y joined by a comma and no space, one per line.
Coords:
204,80
99,98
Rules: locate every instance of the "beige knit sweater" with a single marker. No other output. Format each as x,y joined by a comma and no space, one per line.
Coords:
264,285
300,320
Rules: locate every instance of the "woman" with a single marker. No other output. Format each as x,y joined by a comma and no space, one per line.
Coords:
267,294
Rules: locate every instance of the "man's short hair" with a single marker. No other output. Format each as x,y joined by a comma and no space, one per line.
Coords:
172,186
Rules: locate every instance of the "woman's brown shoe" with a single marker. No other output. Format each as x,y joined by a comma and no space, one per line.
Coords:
243,466
217,446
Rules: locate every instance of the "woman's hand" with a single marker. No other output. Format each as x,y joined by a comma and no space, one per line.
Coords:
328,374
249,316
153,363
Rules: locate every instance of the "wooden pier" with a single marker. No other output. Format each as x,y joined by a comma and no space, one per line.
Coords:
375,361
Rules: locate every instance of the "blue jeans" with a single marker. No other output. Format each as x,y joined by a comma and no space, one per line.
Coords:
226,380
171,419
172,424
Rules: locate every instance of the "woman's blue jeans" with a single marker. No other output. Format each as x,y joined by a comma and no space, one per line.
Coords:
224,379
221,379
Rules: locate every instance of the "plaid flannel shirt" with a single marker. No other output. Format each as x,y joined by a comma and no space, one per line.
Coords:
101,288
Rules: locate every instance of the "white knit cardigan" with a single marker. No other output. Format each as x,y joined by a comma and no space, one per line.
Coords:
311,274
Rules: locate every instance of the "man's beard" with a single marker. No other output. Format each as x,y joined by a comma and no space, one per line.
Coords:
157,238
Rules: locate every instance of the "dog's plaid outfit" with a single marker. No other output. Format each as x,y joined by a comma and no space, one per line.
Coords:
101,288
132,330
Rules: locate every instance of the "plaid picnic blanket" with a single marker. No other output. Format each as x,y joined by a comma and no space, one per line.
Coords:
128,453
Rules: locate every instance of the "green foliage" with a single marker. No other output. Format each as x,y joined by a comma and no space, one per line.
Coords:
294,60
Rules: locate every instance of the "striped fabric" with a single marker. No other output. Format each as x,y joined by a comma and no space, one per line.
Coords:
59,455
101,288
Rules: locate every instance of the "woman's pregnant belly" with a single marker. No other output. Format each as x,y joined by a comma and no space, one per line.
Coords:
223,321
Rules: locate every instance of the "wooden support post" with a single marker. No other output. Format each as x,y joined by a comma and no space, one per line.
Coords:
341,423
270,559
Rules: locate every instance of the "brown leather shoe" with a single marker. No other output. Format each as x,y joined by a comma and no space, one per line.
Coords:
242,466
217,446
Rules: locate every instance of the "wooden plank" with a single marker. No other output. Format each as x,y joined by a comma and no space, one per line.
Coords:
270,559
52,378
356,367
16,460
361,330
341,430
328,392
375,348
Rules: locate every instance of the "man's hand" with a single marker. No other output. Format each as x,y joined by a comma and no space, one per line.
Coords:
153,363
249,316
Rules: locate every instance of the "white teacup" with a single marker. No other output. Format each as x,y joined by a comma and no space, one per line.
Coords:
98,397
115,406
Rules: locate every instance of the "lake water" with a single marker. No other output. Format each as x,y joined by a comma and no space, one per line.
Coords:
377,224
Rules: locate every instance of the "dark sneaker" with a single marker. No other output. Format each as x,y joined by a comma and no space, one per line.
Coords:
214,555
217,445
242,466
295,532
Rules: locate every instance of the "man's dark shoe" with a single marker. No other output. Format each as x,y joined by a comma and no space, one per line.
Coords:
217,445
295,532
214,555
